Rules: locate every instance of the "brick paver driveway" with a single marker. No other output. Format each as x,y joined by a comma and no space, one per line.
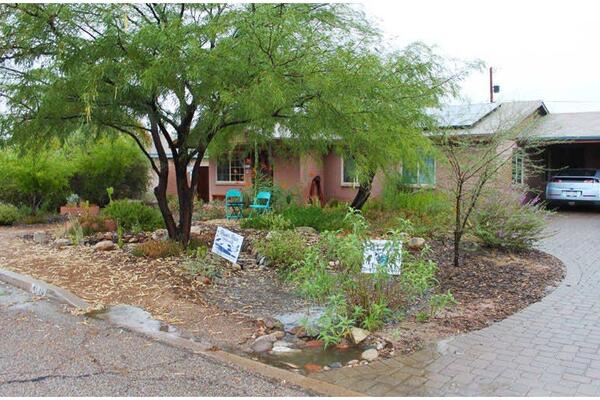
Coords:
550,348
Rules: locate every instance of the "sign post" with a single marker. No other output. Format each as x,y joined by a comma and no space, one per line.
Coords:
382,254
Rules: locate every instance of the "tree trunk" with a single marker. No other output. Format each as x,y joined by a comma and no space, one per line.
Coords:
364,191
457,228
185,194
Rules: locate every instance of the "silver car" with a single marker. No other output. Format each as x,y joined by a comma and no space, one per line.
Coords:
574,186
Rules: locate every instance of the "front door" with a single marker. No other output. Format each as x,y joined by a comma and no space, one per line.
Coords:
203,190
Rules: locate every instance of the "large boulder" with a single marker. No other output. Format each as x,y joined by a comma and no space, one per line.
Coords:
105,245
61,242
358,334
40,237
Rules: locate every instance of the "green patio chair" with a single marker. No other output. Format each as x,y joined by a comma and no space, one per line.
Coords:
234,204
262,202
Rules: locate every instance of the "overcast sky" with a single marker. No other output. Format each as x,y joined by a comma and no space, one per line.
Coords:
540,49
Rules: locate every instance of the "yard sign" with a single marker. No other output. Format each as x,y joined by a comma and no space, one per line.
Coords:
385,254
227,244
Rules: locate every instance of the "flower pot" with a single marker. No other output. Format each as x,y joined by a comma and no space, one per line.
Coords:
78,211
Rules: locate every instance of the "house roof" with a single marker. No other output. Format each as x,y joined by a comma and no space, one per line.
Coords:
568,126
487,118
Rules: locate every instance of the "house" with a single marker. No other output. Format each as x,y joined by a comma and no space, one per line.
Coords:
570,139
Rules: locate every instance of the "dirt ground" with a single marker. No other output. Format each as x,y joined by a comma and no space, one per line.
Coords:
490,286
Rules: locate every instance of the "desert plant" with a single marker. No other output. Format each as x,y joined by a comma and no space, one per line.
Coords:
440,302
134,215
503,222
282,248
75,231
335,323
9,214
158,249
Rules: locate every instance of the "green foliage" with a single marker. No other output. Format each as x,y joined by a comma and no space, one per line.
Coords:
134,215
320,218
502,222
158,249
207,211
202,267
9,214
266,221
440,302
422,316
418,274
75,231
335,323
312,277
117,164
36,179
282,248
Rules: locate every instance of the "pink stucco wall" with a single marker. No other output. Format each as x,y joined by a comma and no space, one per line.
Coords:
217,190
286,171
334,189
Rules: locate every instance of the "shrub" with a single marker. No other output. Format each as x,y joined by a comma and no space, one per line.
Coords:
157,249
110,163
267,221
440,302
207,211
9,214
319,218
96,223
282,248
134,215
502,222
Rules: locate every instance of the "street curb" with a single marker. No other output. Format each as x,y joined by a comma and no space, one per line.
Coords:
41,288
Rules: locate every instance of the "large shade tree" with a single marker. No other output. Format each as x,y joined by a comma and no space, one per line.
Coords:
192,75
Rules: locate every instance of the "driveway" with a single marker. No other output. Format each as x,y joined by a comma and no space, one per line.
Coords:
550,348
45,351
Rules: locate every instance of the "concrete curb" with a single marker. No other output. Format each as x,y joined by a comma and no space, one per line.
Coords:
40,288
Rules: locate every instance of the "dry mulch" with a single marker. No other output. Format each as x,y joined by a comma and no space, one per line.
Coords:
489,286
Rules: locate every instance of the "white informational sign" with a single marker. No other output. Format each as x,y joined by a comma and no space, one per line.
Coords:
227,244
385,254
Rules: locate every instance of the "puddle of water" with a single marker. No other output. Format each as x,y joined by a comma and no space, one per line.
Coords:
136,319
292,319
319,356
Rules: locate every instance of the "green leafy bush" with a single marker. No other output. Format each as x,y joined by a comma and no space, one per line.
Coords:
503,222
440,302
9,214
134,215
110,163
282,248
320,218
158,249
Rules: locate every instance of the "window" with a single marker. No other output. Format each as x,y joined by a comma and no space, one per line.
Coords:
230,169
349,174
421,174
518,167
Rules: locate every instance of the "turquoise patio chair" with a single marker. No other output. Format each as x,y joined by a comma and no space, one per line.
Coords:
234,204
262,202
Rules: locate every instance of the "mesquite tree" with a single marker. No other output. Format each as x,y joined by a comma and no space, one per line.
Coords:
186,76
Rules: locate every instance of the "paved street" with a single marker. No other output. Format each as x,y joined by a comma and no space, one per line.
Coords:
550,348
45,351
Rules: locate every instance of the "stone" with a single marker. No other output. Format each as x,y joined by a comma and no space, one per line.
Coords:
312,367
343,345
278,334
272,323
306,230
263,343
358,334
315,343
40,237
299,331
416,243
105,245
282,343
369,355
62,242
335,365
196,230
352,362
326,368
160,235
133,240
283,349
291,365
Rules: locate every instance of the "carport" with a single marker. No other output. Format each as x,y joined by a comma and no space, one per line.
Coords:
569,140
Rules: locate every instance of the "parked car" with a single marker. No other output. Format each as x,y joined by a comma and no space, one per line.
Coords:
574,186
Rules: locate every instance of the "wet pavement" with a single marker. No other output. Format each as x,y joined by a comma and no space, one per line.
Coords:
46,351
550,348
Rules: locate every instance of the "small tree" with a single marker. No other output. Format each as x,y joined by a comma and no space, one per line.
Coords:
475,163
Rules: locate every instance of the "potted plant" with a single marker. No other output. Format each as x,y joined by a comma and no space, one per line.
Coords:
76,207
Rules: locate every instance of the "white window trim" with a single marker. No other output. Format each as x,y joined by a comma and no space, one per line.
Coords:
520,162
354,184
219,182
422,185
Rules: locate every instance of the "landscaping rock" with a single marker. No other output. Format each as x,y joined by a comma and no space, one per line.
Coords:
299,331
278,334
369,355
336,364
272,323
283,350
358,334
105,245
40,237
315,343
352,363
263,343
311,367
62,242
306,230
416,243
160,235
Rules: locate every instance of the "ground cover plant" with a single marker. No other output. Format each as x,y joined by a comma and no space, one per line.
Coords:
320,218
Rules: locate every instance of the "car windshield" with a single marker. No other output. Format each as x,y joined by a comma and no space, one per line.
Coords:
577,172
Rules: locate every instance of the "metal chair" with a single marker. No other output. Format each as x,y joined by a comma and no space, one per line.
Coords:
234,204
262,202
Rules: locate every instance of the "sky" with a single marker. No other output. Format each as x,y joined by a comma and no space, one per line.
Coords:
540,50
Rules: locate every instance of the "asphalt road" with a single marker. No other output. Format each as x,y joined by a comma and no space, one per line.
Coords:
46,351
